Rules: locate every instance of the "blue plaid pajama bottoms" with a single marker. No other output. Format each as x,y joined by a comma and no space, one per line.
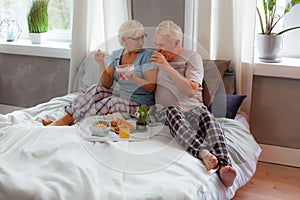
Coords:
196,130
98,100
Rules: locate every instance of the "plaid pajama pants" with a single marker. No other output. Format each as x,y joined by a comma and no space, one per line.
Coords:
98,100
196,130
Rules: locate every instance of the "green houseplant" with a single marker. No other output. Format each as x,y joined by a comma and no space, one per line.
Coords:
37,20
141,122
269,42
271,18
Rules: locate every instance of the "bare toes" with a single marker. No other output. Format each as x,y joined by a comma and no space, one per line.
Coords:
210,161
227,175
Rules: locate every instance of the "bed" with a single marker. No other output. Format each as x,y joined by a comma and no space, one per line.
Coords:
38,162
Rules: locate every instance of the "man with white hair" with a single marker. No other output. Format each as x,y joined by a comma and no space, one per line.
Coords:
179,92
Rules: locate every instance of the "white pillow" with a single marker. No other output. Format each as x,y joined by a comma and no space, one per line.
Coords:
88,73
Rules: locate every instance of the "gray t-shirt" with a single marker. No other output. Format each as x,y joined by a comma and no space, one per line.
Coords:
188,64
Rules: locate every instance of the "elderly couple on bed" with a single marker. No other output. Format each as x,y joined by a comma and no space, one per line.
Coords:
169,79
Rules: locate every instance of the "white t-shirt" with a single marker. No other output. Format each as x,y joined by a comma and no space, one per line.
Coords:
188,64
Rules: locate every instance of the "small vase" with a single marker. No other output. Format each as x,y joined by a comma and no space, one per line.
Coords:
38,38
141,125
10,30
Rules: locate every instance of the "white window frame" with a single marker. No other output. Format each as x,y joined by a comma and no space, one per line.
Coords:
57,46
63,35
288,67
291,39
288,50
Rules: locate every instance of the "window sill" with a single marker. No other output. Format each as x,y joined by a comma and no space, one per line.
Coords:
287,68
25,47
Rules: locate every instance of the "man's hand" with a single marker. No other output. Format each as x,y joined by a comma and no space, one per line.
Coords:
160,60
183,84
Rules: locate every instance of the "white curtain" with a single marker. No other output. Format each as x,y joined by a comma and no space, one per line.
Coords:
226,29
95,25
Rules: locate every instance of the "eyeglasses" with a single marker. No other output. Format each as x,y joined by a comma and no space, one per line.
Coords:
138,38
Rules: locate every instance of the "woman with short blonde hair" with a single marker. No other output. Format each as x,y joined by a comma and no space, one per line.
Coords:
130,29
135,88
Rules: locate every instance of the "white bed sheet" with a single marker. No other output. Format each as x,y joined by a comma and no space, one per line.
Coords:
38,162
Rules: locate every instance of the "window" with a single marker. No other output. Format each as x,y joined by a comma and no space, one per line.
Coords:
291,39
59,17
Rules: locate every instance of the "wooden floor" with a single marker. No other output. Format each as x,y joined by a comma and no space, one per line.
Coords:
272,182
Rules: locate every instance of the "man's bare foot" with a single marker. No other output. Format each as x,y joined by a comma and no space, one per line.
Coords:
209,160
227,175
66,120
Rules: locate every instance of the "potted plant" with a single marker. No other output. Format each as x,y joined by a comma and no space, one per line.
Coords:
269,42
38,21
141,122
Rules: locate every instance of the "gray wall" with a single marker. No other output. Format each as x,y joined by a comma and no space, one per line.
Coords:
26,81
152,12
275,111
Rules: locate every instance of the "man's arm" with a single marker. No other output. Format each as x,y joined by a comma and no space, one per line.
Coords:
183,84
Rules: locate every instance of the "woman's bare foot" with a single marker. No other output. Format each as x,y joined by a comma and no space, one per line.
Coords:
46,122
66,120
209,160
227,175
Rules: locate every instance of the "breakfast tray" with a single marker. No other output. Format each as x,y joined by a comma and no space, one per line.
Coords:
135,135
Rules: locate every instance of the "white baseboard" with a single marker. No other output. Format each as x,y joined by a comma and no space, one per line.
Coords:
280,155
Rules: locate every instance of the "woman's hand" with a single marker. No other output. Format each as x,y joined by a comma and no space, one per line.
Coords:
99,57
105,75
126,76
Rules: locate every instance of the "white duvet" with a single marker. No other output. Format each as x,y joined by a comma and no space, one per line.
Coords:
38,162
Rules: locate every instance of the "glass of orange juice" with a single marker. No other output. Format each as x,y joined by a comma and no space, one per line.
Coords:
124,132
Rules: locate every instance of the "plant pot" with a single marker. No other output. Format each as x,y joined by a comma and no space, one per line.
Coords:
268,47
141,125
38,38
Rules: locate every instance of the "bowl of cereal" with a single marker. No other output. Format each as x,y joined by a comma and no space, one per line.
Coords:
100,127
